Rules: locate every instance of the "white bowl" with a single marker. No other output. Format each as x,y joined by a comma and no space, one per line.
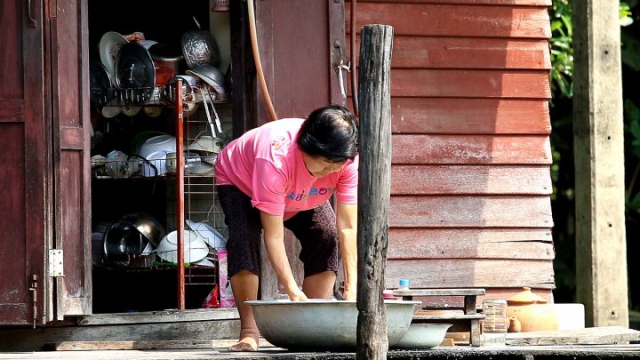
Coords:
155,165
195,248
206,143
323,324
423,336
210,235
157,143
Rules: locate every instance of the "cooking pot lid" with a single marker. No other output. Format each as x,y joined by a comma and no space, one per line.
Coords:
526,297
134,67
100,81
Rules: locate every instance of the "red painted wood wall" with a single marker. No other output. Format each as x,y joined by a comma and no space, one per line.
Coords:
471,186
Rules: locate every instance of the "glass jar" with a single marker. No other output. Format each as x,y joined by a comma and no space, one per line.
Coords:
495,323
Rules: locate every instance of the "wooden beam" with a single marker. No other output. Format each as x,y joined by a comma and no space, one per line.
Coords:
374,189
599,164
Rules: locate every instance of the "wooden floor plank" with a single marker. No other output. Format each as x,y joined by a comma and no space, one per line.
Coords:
603,335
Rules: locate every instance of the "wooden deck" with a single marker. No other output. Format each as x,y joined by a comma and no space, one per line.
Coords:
525,353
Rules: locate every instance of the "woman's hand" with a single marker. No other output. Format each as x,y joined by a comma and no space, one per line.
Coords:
347,222
296,294
350,293
274,243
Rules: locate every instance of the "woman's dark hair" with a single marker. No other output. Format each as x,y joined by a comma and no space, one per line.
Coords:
330,132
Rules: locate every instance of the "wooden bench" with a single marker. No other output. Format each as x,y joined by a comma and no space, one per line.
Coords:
469,318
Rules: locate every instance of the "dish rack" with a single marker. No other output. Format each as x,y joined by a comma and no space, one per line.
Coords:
192,196
193,91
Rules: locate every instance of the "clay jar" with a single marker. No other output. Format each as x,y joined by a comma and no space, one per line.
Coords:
532,312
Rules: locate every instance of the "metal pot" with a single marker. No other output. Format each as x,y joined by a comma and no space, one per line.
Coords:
147,225
200,47
122,239
167,58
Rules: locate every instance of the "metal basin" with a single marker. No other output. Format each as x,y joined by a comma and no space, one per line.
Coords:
423,336
324,324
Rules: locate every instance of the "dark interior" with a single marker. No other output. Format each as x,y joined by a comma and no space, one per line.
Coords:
130,289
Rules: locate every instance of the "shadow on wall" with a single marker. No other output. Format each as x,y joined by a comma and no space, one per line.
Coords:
471,153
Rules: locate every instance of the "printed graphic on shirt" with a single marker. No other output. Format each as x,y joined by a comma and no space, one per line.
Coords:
302,196
277,143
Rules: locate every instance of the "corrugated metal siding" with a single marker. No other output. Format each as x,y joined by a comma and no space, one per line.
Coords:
471,185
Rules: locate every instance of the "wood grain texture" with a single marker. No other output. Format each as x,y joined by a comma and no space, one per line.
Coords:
471,211
470,116
419,19
469,179
471,149
515,84
11,111
375,178
468,53
465,2
26,339
589,336
11,66
163,316
533,244
443,302
455,273
598,130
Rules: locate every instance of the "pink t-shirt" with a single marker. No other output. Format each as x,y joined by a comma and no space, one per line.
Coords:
266,164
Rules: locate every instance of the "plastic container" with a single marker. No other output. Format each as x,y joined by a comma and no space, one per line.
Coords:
403,284
495,323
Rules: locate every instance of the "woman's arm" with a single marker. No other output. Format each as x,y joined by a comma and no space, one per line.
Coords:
347,223
274,242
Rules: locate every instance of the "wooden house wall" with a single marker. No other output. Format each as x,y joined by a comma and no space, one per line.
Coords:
470,197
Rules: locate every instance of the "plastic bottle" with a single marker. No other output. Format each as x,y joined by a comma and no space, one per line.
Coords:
495,323
403,284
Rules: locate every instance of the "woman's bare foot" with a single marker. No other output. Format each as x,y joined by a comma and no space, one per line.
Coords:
249,341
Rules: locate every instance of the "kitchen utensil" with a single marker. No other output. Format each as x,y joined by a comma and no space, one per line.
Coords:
147,225
323,324
153,111
210,235
109,47
134,67
206,143
210,75
110,112
423,336
206,110
157,143
169,55
532,311
206,98
200,47
100,82
195,248
122,238
131,110
155,164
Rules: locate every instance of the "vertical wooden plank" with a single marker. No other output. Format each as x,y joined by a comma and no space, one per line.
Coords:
243,75
599,163
375,186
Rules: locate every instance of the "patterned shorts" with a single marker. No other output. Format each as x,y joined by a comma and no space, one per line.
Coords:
315,229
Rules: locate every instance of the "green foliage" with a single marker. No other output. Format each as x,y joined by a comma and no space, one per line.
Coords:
561,49
562,170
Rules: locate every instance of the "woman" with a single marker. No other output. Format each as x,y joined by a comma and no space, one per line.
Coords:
279,175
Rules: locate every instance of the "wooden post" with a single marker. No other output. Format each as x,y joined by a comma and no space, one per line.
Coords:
601,264
374,189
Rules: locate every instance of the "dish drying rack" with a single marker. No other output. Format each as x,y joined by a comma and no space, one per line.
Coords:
194,91
183,96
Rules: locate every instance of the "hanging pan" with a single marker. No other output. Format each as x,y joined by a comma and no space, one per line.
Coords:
200,47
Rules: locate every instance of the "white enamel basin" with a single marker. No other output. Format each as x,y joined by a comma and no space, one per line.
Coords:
324,324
